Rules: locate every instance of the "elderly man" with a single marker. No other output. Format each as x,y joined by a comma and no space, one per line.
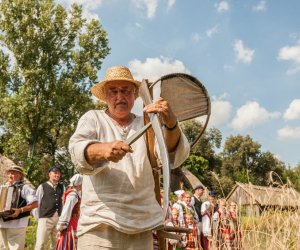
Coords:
13,227
118,207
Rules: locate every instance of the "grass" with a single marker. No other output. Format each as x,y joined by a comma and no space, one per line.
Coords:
273,230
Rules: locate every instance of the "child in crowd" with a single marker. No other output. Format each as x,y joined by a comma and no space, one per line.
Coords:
193,238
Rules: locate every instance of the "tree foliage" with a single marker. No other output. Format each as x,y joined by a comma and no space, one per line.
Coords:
244,161
49,58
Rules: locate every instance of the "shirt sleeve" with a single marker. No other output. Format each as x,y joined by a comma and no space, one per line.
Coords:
39,194
180,154
66,213
85,135
28,194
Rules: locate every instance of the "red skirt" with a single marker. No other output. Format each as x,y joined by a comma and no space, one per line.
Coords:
68,238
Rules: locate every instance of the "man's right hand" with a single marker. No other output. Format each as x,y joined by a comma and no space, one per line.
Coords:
115,151
109,151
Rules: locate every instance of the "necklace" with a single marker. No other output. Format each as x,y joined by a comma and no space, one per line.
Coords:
124,126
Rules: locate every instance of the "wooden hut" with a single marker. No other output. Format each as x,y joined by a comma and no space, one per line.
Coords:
255,199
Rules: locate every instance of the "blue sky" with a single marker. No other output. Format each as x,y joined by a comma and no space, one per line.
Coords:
245,52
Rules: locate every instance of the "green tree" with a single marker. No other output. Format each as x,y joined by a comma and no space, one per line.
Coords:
49,58
243,161
292,176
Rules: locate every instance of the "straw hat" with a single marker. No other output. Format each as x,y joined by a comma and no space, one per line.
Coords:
114,74
15,168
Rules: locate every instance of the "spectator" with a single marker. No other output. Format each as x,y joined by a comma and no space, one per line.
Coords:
13,227
175,222
68,220
207,210
196,200
50,206
179,204
193,238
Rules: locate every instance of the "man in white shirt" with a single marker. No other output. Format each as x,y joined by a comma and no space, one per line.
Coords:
118,207
13,227
50,206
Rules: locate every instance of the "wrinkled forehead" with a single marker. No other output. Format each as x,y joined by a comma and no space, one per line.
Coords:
120,84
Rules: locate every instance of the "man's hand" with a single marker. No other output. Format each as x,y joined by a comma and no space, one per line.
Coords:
16,213
162,108
115,151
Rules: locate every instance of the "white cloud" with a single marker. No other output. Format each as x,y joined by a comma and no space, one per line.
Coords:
291,53
154,68
250,115
88,6
171,3
222,6
149,5
243,54
212,31
293,111
228,67
289,133
196,37
261,6
220,111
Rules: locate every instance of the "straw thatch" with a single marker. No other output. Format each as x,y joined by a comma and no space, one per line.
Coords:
5,164
181,178
257,198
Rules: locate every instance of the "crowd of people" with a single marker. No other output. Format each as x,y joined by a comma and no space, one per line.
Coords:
214,225
55,209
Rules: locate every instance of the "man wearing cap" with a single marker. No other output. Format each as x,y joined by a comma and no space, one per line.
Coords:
50,206
118,207
196,200
13,227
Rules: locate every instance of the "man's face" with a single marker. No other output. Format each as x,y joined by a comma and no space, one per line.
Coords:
199,192
120,97
14,176
212,199
54,176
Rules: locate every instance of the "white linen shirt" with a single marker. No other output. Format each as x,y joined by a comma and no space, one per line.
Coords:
28,194
118,194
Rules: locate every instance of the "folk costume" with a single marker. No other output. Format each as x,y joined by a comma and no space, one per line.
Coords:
68,220
48,212
235,231
172,243
119,195
193,238
206,234
13,230
221,225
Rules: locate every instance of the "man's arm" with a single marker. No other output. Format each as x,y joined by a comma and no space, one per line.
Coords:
108,151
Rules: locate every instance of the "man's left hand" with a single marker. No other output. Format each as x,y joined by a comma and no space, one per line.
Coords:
165,112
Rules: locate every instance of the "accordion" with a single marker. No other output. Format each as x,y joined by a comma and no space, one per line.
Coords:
9,198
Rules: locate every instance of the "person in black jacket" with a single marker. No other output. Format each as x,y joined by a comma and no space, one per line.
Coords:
196,200
13,224
50,206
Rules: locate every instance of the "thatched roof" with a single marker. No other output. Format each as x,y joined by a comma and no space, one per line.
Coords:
5,163
181,178
191,179
249,194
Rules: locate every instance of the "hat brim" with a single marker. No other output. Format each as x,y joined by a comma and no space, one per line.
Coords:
98,90
15,170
